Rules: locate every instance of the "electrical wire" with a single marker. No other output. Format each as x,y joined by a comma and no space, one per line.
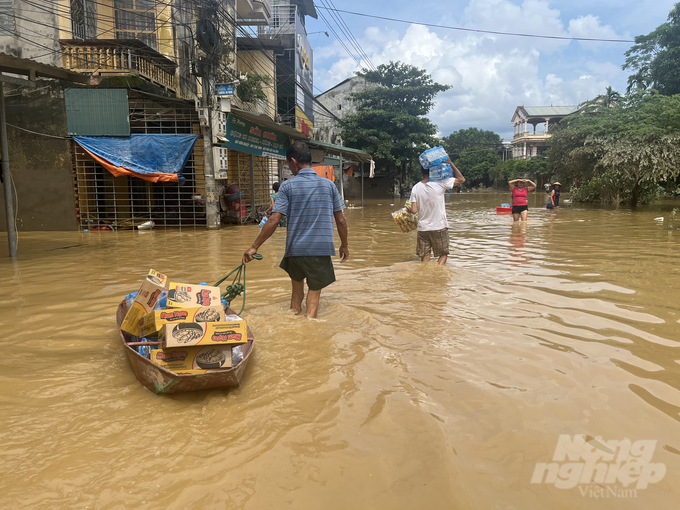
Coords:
494,32
231,21
350,36
40,134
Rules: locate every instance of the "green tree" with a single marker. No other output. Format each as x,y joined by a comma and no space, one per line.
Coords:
611,97
621,153
252,88
475,152
655,57
390,122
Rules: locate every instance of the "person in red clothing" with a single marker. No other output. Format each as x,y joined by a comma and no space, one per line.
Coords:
520,191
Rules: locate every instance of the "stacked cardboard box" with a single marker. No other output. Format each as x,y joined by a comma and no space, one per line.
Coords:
147,297
195,335
152,323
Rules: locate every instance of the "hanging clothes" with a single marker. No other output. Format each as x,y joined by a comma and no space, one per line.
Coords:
325,171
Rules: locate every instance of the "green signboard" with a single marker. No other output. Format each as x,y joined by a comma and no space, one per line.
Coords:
246,136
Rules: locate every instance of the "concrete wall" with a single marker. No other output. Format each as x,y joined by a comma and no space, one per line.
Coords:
36,33
40,166
338,101
378,187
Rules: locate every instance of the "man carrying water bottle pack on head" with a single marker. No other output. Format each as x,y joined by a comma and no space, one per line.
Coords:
427,201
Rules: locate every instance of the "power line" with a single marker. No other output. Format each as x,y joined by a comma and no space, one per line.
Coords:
477,30
348,33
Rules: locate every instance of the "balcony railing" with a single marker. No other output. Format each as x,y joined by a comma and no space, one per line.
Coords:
119,56
257,106
532,136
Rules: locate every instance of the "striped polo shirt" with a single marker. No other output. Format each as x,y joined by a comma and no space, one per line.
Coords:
309,202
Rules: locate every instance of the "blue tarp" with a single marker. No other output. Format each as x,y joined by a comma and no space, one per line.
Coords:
145,156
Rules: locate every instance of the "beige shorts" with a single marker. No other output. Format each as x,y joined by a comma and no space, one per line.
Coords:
435,240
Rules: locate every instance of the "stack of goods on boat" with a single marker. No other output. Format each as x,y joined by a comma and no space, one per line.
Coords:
185,326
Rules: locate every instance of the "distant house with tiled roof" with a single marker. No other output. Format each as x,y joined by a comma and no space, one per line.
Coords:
532,141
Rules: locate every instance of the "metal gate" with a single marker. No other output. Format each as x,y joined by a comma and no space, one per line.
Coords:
104,201
253,182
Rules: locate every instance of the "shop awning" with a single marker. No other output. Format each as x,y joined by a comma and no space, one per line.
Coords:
257,134
152,158
334,150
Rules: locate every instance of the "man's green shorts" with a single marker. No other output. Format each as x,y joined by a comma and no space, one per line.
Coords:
317,270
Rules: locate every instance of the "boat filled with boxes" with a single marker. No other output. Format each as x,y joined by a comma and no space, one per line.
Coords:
183,337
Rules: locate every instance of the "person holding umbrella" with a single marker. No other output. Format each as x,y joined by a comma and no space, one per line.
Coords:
520,204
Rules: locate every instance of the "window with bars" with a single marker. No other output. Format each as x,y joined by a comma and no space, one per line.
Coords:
84,19
136,19
6,17
125,202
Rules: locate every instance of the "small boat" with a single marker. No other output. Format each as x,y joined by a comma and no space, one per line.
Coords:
503,210
160,380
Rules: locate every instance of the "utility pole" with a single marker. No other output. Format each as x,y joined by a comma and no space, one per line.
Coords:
7,177
212,199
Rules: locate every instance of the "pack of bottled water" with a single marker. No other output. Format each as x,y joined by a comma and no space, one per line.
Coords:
433,157
439,172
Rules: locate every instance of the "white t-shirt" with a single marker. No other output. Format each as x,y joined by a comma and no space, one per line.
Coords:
430,199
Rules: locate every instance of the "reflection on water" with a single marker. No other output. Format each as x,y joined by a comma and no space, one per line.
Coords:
417,387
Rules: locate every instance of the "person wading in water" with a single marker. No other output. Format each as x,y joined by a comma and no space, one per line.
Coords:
427,200
520,205
310,203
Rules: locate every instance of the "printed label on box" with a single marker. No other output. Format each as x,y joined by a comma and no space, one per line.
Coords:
190,359
183,295
154,321
146,299
203,333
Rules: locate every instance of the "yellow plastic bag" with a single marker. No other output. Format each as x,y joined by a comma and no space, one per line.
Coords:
406,220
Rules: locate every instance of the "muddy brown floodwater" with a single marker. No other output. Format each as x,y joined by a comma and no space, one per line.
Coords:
417,387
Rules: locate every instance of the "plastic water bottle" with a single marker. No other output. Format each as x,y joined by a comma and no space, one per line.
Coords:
264,220
440,172
129,299
144,350
236,355
433,157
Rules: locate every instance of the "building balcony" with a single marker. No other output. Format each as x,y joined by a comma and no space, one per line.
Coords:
253,12
530,137
111,57
258,106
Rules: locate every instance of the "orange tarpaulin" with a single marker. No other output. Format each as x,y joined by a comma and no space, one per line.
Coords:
325,171
350,171
119,171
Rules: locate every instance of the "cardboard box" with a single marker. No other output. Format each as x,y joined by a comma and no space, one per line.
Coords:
181,295
146,299
154,321
187,359
187,334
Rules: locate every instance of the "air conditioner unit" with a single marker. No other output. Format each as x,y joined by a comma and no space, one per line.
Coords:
221,162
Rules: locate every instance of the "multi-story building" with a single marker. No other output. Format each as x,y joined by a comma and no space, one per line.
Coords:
294,65
147,61
338,100
532,141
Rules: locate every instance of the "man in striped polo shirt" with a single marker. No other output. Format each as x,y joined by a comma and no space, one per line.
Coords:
310,203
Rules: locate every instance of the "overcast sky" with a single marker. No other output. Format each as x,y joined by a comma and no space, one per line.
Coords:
490,75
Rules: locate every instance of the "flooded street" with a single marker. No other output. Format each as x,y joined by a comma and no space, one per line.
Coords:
417,387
